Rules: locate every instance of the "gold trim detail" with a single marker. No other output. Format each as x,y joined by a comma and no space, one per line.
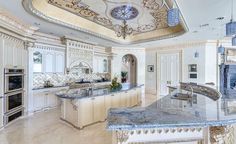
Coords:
222,134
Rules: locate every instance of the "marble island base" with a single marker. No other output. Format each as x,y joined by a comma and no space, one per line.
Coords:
187,135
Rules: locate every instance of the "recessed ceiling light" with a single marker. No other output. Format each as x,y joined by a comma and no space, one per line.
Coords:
220,18
37,24
204,25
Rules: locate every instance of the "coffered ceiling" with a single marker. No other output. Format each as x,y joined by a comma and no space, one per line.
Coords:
147,18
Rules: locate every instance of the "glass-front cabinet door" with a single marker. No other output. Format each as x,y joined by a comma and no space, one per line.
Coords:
37,61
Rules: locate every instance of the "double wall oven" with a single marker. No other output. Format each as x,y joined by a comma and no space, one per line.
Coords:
13,94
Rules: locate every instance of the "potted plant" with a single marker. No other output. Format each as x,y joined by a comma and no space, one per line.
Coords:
124,76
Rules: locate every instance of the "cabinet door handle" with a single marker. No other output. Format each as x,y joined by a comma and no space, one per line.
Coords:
92,98
112,95
126,92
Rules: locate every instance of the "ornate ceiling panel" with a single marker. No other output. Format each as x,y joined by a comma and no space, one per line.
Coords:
148,18
150,15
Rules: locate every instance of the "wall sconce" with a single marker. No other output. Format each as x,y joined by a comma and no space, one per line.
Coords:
196,54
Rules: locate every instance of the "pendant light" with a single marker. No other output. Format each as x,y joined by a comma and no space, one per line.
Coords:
221,49
234,41
173,17
231,26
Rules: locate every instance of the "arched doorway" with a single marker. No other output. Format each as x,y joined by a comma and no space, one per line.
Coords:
129,69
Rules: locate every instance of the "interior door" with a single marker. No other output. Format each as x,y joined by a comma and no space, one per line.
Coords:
169,72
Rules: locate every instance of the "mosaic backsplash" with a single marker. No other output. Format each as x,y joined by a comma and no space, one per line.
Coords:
62,79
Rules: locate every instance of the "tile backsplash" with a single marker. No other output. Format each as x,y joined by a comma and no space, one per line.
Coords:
61,79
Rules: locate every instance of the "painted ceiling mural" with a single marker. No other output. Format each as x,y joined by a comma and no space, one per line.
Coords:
143,15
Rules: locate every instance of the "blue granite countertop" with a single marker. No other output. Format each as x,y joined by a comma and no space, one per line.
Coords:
79,94
172,111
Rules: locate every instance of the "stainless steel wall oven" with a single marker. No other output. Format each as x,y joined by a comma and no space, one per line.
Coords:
14,80
13,94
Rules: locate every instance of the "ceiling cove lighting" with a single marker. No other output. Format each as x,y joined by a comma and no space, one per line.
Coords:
173,17
231,26
234,41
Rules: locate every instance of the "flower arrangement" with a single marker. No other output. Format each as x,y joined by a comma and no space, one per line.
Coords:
115,85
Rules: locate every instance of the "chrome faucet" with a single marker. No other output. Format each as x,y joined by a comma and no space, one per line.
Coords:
191,90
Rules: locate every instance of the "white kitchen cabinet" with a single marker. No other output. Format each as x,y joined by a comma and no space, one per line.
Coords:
1,112
115,100
139,93
133,97
91,110
39,101
100,64
98,109
124,98
52,61
51,100
49,62
60,62
46,98
85,112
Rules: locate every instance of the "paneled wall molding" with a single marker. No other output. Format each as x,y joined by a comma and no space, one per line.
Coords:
11,23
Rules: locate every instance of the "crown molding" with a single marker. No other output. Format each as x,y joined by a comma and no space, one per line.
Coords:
12,23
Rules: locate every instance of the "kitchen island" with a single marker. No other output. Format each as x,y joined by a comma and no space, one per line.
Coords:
83,107
186,115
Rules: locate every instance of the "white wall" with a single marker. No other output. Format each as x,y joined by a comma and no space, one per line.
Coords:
188,58
116,63
151,59
206,62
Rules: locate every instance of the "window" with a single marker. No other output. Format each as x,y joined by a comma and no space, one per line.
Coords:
37,60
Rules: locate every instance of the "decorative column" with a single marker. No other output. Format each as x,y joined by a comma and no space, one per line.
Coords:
222,134
29,104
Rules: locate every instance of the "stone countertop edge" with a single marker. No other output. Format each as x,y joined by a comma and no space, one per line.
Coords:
81,97
183,125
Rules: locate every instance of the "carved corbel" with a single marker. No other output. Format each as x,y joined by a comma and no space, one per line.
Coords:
122,136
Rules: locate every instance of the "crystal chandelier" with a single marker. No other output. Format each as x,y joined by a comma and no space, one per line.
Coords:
123,30
231,26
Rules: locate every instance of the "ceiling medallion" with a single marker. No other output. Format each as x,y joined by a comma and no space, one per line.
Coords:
124,13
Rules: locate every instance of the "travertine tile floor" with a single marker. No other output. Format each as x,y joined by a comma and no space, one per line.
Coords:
47,128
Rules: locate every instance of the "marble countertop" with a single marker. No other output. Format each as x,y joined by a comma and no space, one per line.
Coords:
80,94
170,111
